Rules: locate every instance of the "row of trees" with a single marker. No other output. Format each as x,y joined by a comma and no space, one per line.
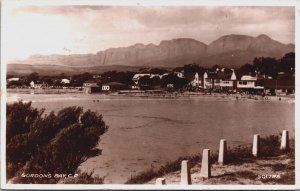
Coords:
44,145
164,81
263,65
271,66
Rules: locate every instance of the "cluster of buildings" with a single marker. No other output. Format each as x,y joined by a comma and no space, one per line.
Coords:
230,82
91,86
220,80
36,85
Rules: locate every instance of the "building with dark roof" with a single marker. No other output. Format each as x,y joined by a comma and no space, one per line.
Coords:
114,86
275,86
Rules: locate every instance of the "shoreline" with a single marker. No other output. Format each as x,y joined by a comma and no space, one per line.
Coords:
147,95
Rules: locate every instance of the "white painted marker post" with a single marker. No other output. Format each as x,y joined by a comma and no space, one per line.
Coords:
205,167
222,152
160,181
256,145
285,140
185,173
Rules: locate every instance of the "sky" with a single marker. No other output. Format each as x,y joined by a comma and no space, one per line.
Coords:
30,30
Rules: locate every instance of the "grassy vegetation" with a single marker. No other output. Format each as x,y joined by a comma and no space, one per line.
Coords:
270,148
246,174
84,178
239,154
167,168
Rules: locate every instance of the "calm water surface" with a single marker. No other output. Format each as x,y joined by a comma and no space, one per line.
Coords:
145,133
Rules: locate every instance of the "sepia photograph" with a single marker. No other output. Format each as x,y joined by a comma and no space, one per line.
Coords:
133,94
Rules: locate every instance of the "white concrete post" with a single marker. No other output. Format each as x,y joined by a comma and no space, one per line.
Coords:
185,173
256,145
285,140
205,167
222,152
160,181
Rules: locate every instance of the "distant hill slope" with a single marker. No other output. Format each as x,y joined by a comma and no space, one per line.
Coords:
230,50
51,70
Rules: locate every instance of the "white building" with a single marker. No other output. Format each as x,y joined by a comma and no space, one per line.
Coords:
247,82
105,88
134,87
137,77
65,81
90,83
228,83
207,82
13,79
32,84
179,74
37,86
196,82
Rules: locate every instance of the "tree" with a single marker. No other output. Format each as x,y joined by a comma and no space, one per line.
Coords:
157,71
174,79
155,81
33,77
123,77
287,63
78,80
42,148
266,65
48,80
193,68
145,81
246,69
20,118
215,68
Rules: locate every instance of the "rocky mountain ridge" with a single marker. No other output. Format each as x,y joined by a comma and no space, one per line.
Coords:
230,51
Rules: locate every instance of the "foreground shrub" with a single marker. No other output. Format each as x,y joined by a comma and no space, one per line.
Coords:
54,144
19,118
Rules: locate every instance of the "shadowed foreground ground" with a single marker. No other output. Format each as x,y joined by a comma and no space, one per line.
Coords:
271,170
273,166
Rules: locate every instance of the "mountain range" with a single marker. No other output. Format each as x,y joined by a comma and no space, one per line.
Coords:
228,51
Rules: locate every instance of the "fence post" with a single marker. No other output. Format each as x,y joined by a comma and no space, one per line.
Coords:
222,152
256,145
160,181
185,173
285,140
205,167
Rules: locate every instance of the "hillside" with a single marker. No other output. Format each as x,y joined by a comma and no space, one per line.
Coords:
230,50
51,70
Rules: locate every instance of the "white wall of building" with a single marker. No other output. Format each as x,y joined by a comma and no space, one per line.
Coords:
245,84
105,88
